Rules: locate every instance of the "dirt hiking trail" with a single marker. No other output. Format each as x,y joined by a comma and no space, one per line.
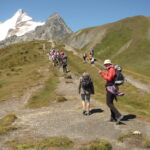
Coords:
66,119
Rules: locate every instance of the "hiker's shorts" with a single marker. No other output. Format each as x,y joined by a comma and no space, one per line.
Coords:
85,97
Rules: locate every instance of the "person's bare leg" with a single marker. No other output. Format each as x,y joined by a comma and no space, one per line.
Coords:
88,106
83,105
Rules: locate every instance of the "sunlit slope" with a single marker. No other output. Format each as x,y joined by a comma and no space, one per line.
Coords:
23,66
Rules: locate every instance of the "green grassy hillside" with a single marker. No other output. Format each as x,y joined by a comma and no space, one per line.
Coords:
23,66
137,56
125,42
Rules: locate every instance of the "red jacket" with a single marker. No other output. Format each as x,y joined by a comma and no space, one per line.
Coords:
109,75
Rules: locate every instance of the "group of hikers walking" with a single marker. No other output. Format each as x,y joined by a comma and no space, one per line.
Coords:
86,88
89,57
113,78
58,58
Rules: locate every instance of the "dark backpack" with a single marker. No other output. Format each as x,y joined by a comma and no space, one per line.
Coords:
119,78
64,60
86,83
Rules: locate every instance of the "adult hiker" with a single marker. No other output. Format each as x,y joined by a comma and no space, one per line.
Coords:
111,89
64,62
86,88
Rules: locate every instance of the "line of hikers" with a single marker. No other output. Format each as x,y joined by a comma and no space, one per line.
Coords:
58,58
113,78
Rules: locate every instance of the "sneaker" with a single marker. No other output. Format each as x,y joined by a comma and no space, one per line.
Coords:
88,113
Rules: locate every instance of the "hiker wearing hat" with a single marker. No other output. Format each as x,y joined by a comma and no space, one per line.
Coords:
109,76
86,88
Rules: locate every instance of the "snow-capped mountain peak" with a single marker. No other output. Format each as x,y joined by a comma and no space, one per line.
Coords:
22,16
18,25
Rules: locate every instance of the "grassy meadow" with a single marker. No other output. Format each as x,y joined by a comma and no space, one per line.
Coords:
23,66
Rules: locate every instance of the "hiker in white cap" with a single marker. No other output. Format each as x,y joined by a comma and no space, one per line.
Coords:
109,76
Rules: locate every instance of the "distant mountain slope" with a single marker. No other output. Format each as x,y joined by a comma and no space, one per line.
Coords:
126,42
18,25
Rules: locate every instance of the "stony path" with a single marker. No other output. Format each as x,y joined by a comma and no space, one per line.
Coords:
66,119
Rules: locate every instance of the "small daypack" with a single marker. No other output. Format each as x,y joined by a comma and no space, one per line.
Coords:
64,58
86,82
119,78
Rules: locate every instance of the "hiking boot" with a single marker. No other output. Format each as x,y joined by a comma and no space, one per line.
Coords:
119,119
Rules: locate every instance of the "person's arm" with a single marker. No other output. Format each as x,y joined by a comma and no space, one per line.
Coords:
92,88
109,76
79,87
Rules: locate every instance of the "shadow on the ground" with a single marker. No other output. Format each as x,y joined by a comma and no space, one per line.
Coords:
98,110
121,123
128,117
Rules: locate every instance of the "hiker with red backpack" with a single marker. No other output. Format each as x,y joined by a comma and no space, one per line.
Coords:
112,91
86,88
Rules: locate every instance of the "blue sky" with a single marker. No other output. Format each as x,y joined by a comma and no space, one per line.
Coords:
77,14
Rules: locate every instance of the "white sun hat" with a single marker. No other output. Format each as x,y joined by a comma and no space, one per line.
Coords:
107,61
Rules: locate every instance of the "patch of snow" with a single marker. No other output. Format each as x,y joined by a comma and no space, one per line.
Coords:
19,24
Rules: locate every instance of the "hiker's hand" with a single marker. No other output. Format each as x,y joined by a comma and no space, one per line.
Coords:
99,71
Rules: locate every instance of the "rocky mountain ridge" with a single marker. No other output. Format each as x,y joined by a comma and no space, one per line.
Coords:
53,29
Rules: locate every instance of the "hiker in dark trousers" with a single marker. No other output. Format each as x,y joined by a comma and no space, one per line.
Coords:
111,96
86,88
